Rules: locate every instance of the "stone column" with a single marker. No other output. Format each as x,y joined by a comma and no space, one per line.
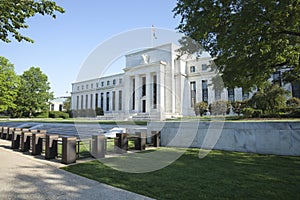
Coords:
137,94
161,92
148,93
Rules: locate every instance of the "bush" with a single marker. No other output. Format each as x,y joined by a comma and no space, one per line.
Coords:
219,108
99,111
42,115
295,113
58,114
238,106
293,102
251,112
200,108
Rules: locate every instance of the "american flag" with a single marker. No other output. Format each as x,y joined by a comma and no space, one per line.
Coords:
153,32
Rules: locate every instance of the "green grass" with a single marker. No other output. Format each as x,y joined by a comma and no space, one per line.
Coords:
84,151
219,175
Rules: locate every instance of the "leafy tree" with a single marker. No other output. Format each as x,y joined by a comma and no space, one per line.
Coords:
200,108
34,93
250,39
269,98
293,102
67,104
15,12
9,82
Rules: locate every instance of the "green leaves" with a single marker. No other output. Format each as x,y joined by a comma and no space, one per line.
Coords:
250,39
9,83
13,15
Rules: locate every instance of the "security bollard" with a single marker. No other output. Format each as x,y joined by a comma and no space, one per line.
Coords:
68,149
15,141
25,141
4,132
37,143
51,146
98,146
121,144
140,142
156,138
1,132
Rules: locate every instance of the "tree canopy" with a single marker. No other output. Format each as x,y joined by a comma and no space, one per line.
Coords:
250,39
34,93
9,82
13,15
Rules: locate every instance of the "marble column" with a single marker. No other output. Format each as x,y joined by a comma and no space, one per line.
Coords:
137,94
148,92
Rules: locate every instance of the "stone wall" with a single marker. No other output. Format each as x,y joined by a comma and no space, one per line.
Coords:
281,138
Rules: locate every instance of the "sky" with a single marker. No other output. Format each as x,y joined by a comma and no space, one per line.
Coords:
61,46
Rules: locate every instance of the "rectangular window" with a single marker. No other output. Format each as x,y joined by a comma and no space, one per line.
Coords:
86,87
86,101
92,86
102,84
120,81
277,78
97,85
143,86
77,103
82,87
78,88
231,94
133,94
107,101
204,67
96,100
101,100
120,100
154,91
192,69
193,93
113,100
81,102
108,83
204,91
114,82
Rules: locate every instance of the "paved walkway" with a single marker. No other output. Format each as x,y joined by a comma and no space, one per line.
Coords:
26,177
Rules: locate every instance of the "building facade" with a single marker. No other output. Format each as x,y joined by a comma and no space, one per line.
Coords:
155,84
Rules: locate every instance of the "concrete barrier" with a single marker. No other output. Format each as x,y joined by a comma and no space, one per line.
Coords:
281,138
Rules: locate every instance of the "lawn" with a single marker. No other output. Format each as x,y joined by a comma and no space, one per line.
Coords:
219,175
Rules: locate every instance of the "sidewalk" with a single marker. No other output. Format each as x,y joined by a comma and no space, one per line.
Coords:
25,177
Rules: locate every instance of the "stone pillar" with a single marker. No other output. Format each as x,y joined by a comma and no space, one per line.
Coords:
140,142
137,94
15,140
161,93
155,138
37,143
98,146
121,143
51,146
25,141
68,150
148,93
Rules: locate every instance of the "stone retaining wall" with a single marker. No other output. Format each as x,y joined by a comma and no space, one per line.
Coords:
281,138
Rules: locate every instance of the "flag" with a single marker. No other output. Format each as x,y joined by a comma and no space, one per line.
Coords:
154,32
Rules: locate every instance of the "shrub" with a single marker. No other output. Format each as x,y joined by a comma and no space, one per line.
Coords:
251,112
293,102
238,106
42,115
99,111
200,108
58,114
219,107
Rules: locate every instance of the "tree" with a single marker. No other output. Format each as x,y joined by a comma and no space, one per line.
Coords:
67,104
34,93
238,106
269,98
219,107
200,108
9,82
15,12
250,39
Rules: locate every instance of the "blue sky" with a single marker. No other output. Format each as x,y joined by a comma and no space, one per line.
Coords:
63,44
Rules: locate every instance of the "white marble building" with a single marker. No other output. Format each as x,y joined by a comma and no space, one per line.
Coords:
155,84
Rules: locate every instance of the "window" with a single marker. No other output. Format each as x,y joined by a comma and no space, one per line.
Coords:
77,103
193,93
96,100
120,99
86,86
82,87
277,78
192,69
133,94
81,102
60,107
231,95
114,82
296,89
52,107
108,83
101,100
102,84
154,91
204,67
120,81
204,91
92,86
97,85
107,101
143,86
78,88
91,101
86,101
113,100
